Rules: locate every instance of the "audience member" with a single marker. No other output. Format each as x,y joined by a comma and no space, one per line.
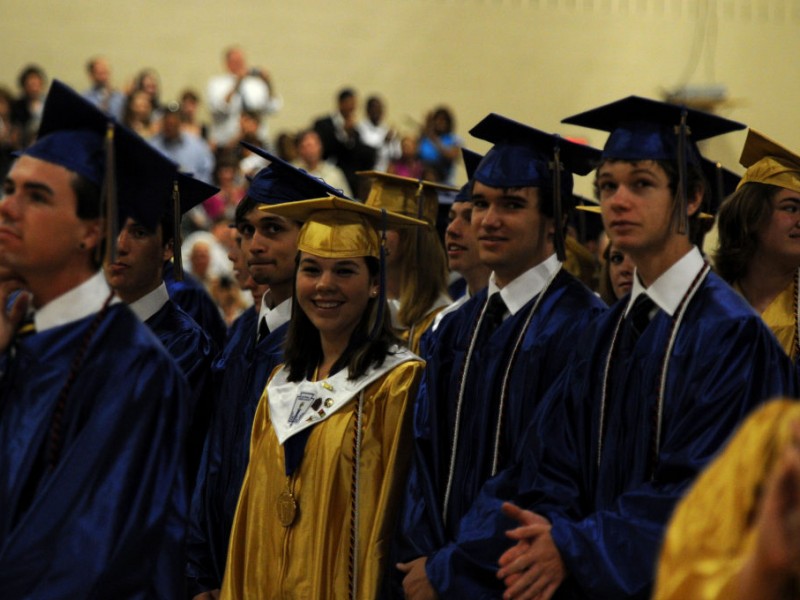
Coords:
138,114
375,134
190,101
227,177
189,151
101,93
439,146
8,134
26,110
241,88
408,164
341,141
309,158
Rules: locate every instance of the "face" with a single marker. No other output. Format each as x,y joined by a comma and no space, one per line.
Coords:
40,232
375,111
513,236
269,244
393,254
347,107
309,148
140,260
235,62
101,72
637,204
620,272
171,125
33,86
779,238
140,105
200,258
333,293
459,239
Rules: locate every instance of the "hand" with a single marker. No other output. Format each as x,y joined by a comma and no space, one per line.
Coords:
416,584
532,569
212,595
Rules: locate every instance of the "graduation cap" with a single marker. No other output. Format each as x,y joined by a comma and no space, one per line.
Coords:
281,182
769,162
526,157
405,195
644,129
335,227
471,162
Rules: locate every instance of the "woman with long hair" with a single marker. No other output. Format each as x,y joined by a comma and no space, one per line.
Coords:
328,451
759,236
416,263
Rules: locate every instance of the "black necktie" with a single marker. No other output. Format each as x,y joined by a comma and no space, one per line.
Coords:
263,329
639,315
495,309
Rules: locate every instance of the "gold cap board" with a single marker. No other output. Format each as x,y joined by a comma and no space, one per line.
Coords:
403,195
769,162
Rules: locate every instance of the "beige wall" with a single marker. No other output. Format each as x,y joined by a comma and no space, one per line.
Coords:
534,60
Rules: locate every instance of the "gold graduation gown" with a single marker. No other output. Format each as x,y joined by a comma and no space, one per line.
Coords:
711,533
310,558
780,317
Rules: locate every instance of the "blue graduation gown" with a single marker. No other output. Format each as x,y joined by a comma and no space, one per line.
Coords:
192,349
192,297
241,372
608,520
109,520
563,313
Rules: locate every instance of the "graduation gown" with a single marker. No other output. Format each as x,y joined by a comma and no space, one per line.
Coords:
192,297
458,565
193,350
608,517
310,558
240,374
711,535
109,520
780,317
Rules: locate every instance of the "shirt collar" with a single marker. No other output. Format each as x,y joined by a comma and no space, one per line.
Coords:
275,316
149,304
81,301
525,287
669,289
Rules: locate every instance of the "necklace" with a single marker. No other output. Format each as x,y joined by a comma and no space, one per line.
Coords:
503,389
673,334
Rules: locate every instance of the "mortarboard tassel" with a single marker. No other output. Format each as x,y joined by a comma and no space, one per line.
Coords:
108,198
683,193
176,241
558,213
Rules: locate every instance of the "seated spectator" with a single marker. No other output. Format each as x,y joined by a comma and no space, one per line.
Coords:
309,158
26,111
189,151
439,146
408,164
138,114
375,134
228,178
101,93
285,145
8,135
190,101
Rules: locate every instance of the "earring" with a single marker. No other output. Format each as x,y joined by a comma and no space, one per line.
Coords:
374,293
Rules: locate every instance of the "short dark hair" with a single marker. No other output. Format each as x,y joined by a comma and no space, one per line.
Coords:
303,351
739,219
28,71
87,196
243,209
346,94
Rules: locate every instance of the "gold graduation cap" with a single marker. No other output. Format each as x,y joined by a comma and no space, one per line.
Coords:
769,162
405,195
338,228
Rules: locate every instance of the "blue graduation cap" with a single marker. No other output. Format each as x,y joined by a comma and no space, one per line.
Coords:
644,129
526,157
281,182
471,161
